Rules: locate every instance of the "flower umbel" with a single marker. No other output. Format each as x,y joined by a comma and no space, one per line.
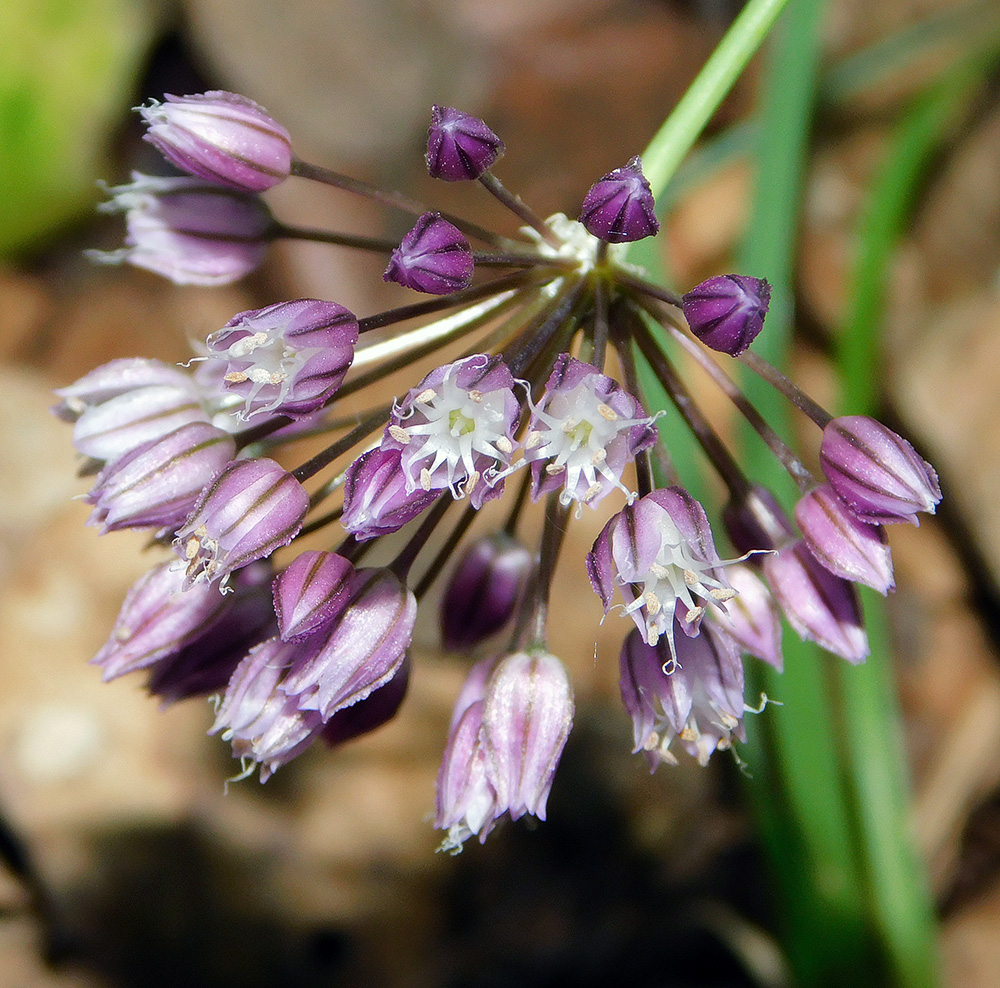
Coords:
526,382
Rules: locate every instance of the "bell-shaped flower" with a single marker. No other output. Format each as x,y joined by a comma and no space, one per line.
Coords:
659,552
188,231
527,716
877,473
251,508
286,359
582,433
125,403
455,430
727,312
821,607
696,696
358,648
484,590
619,208
434,257
751,618
222,137
156,484
459,146
376,500
846,546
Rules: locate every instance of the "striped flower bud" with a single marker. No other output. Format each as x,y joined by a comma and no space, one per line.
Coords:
459,146
434,257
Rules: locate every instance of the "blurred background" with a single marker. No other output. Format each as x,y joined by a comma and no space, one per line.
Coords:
126,864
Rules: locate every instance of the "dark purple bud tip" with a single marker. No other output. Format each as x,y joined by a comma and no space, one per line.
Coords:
484,590
727,312
434,258
619,208
459,146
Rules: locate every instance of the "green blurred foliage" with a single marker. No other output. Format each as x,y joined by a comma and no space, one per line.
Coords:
67,71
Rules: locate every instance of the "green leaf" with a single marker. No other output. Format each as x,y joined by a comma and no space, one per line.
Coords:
68,67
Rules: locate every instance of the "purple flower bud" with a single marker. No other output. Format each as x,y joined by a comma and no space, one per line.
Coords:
660,553
619,208
880,476
369,714
756,521
697,696
156,484
727,312
206,663
222,137
455,430
158,618
588,428
260,721
127,403
459,146
484,590
527,715
821,607
845,546
187,231
310,592
375,498
358,648
286,359
465,801
433,257
751,618
252,508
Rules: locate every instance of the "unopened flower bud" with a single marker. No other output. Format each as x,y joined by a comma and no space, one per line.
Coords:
309,592
252,508
821,607
376,501
459,145
755,521
880,476
188,231
527,715
619,208
751,618
222,137
484,590
286,359
846,546
156,484
434,257
369,714
727,312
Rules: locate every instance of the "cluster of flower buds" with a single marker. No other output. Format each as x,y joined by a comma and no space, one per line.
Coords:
307,644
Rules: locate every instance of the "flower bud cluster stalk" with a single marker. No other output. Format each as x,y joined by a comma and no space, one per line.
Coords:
309,644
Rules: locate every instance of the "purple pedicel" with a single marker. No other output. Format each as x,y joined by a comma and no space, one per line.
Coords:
697,696
582,433
727,312
455,430
459,146
846,546
619,208
252,508
188,231
527,716
821,607
157,484
221,137
880,476
484,590
375,498
286,359
434,257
